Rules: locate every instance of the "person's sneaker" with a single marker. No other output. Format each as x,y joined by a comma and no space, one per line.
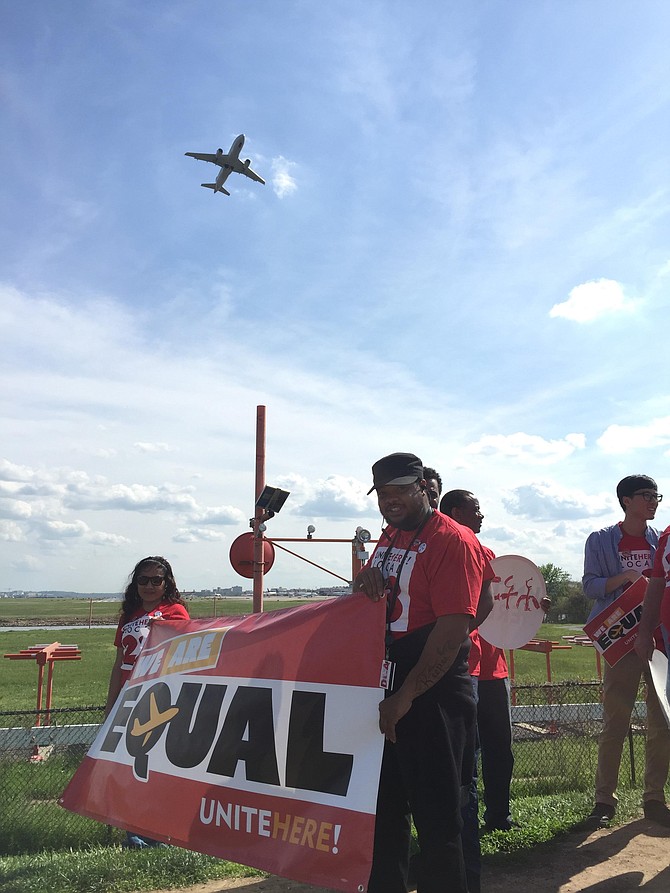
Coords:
505,825
600,817
657,811
134,842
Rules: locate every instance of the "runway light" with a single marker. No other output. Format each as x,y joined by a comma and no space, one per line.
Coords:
363,535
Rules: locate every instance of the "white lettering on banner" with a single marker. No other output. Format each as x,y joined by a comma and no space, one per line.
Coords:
188,652
265,736
294,829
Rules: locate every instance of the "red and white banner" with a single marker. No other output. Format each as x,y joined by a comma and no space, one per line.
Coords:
614,630
253,739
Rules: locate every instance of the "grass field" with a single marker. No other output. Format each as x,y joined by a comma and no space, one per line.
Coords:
29,611
84,682
550,794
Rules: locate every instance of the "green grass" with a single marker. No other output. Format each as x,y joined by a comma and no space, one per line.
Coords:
552,787
83,682
576,664
29,611
112,870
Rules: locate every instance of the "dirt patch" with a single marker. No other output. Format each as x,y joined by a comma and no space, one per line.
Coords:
632,857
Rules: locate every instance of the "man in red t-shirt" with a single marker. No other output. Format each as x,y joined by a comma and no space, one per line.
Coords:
430,571
494,721
656,605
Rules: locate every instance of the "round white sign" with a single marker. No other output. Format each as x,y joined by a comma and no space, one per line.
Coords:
518,589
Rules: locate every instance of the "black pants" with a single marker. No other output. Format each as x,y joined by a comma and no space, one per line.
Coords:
424,776
495,741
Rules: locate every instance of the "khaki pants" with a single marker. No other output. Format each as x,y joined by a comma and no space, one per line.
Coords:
619,693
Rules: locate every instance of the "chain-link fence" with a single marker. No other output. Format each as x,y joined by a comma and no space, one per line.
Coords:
556,728
36,763
555,747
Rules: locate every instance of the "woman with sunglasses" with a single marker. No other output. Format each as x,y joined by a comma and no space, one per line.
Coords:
151,594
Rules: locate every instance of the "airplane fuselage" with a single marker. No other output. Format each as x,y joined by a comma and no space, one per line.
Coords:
229,162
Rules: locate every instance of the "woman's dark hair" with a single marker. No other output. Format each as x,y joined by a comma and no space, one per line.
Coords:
131,597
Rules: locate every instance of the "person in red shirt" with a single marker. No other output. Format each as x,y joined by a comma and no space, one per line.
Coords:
151,596
430,571
493,690
656,606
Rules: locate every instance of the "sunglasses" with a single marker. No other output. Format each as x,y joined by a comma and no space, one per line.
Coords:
153,581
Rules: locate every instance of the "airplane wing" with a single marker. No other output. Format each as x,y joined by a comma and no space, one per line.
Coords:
243,168
204,156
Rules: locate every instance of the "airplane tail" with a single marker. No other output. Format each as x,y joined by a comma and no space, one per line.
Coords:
213,186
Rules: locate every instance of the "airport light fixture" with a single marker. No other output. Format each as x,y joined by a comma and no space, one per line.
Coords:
271,500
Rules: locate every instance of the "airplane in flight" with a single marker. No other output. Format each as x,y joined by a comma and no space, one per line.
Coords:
229,162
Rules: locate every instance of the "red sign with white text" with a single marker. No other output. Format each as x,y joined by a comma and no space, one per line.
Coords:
614,630
253,739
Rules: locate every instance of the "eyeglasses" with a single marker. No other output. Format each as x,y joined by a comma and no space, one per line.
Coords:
649,496
153,581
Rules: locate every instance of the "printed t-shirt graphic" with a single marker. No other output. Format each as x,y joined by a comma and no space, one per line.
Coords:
425,581
132,634
634,553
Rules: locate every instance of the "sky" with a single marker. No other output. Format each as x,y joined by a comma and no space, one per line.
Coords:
462,250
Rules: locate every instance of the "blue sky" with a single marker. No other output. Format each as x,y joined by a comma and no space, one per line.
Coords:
462,251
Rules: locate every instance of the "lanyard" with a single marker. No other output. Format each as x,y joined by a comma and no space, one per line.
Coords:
392,597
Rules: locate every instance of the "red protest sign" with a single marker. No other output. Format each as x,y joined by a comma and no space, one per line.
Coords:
614,630
253,739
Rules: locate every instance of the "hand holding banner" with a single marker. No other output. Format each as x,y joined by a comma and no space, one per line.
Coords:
614,630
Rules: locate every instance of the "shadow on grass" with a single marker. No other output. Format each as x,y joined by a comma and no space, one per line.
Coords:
552,865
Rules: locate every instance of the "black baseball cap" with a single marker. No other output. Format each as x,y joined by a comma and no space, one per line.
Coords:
396,470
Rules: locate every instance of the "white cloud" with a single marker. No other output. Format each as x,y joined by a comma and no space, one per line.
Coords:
501,534
58,530
11,532
153,447
100,494
197,534
283,181
99,538
14,508
544,501
221,514
594,299
628,438
27,563
527,447
333,497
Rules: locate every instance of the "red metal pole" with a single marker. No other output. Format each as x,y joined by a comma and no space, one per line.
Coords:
40,681
258,517
50,682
